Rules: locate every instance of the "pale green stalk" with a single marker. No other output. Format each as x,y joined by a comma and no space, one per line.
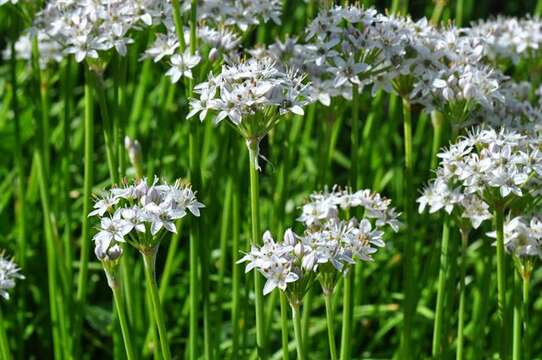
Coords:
437,119
284,326
18,157
409,302
87,191
149,260
526,276
54,296
461,315
123,321
298,332
330,325
501,291
4,344
517,322
255,220
437,348
236,273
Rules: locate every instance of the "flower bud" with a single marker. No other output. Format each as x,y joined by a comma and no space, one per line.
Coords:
114,252
213,55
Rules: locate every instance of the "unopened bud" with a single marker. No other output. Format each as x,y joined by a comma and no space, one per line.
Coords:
134,153
213,55
114,252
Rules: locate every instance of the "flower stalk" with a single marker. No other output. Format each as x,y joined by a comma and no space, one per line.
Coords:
149,261
253,145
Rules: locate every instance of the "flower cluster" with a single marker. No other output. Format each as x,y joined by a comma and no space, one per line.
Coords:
88,28
347,46
140,214
508,38
9,272
239,13
329,244
522,237
485,169
252,95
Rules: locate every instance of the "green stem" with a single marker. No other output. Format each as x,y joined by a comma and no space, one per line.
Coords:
409,302
117,297
501,291
526,285
108,128
538,9
4,344
516,337
298,332
54,297
459,6
330,325
121,113
236,273
346,339
437,119
437,348
87,190
284,325
18,157
437,12
255,217
461,316
149,259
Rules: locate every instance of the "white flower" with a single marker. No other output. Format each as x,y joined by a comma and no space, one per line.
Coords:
182,65
9,272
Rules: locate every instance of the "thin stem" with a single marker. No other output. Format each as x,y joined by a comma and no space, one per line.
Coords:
4,344
18,157
437,349
284,325
459,6
330,325
117,297
501,291
516,337
437,11
437,119
409,302
298,332
461,315
346,339
109,137
149,259
236,274
255,217
53,286
87,190
526,276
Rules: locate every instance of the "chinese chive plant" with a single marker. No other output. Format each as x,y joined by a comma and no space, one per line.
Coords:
330,245
140,215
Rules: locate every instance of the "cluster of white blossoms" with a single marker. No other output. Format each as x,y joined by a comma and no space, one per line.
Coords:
522,237
88,28
509,38
251,94
50,50
329,244
238,13
485,169
140,214
9,272
219,28
437,67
